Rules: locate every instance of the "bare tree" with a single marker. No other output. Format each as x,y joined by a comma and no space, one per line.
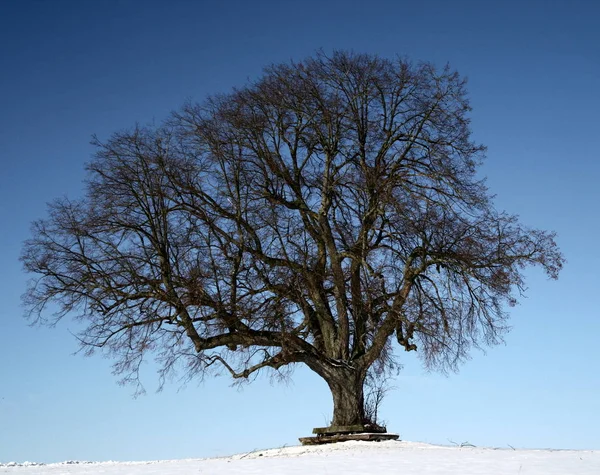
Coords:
309,217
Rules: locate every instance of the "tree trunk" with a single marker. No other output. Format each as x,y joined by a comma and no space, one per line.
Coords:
346,387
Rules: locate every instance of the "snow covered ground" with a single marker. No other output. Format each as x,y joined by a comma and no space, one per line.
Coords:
406,458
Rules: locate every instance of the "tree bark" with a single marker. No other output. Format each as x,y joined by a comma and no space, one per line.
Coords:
346,387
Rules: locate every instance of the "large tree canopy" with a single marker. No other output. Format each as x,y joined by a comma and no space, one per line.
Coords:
328,213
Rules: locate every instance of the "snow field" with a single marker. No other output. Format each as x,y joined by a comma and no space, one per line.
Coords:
348,458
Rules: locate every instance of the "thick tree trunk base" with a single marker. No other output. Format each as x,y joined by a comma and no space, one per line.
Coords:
346,387
365,436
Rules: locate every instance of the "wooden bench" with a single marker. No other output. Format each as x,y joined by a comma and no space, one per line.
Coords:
331,434
355,429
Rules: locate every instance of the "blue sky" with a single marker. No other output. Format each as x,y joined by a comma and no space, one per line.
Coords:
69,69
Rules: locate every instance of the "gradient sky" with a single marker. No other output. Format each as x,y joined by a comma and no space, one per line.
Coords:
70,69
